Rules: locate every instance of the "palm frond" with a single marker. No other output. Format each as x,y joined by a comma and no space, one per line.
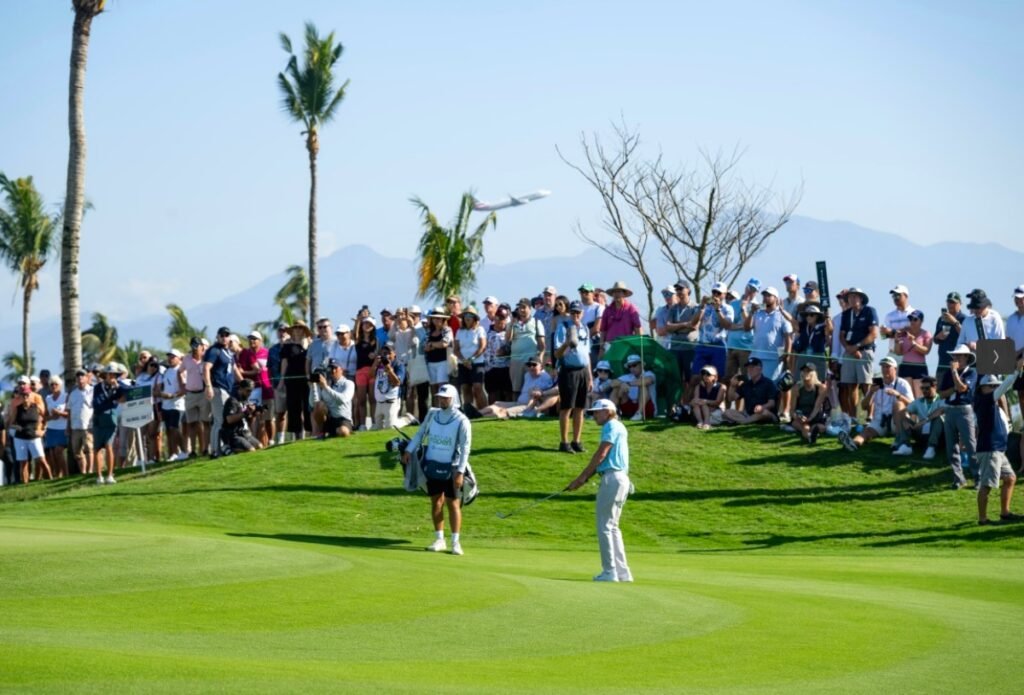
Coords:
286,43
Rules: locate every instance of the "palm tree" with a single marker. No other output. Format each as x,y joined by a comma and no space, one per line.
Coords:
128,354
74,198
449,256
27,240
180,331
309,97
16,364
99,341
292,300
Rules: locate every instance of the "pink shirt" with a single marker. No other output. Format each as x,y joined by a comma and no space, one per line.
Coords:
907,341
193,373
248,360
617,322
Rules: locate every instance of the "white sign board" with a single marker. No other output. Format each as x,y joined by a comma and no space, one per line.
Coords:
137,410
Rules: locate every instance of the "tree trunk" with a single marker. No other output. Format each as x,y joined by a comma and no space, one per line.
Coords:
74,198
313,146
25,351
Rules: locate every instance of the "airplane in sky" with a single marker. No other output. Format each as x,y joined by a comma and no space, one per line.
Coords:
511,201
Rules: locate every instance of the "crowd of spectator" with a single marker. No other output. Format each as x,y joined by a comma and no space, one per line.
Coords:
751,355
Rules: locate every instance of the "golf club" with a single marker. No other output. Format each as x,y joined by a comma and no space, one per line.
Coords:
522,509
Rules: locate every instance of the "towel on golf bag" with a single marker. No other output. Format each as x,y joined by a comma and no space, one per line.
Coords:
415,479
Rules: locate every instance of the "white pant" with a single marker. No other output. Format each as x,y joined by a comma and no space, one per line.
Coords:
611,496
386,416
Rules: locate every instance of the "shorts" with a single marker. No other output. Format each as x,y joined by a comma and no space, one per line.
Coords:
572,388
993,467
912,371
881,424
630,408
364,377
858,370
54,438
25,449
172,419
1018,385
498,380
516,370
333,424
442,487
438,372
197,408
704,355
471,375
734,363
280,400
103,435
81,442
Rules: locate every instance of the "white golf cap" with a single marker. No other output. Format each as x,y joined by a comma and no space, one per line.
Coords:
990,380
550,289
23,380
720,287
175,352
771,290
1018,291
369,320
900,289
343,328
491,299
889,360
255,334
710,369
633,359
414,309
604,365
602,404
791,277
447,391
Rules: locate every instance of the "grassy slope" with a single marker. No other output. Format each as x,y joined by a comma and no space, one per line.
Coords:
292,569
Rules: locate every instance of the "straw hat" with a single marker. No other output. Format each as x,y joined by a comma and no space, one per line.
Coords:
620,285
437,313
298,327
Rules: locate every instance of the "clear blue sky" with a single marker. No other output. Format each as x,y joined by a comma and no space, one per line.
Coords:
898,116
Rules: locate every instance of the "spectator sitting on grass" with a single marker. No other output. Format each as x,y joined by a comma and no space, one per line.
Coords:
922,422
993,466
759,396
707,402
813,407
234,431
885,400
602,385
538,396
634,391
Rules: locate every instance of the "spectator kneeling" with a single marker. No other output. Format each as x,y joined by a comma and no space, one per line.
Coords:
235,432
332,395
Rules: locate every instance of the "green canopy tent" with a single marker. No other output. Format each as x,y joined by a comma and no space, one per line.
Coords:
657,359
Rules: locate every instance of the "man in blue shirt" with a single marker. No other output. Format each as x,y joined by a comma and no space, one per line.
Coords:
712,322
611,462
947,330
858,328
993,466
957,387
218,380
572,350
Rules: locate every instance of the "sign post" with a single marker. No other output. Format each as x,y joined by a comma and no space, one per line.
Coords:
136,413
823,293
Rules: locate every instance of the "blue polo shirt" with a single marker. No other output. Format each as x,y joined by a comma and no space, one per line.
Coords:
969,376
614,432
578,356
739,339
711,331
221,374
856,328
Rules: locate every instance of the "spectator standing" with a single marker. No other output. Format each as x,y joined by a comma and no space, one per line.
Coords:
279,405
296,385
387,322
913,344
858,331
740,340
321,347
526,336
985,323
198,415
621,317
994,470
439,341
592,312
490,305
713,322
470,345
170,390
572,351
812,339
885,401
793,298
497,378
344,352
55,440
1015,332
80,415
218,381
947,330
659,322
252,363
366,353
759,396
957,388
453,306
547,307
387,391
106,396
26,417
899,318
682,336
772,332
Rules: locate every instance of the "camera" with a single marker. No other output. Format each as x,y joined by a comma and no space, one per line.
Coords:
398,445
314,376
877,381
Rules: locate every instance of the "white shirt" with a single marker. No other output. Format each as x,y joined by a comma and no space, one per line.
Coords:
470,341
884,402
80,408
992,324
169,384
1015,330
897,320
634,388
57,405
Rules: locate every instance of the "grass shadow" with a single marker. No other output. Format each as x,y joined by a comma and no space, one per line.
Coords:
337,541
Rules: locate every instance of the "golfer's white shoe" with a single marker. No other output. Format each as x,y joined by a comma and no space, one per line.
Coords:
437,546
606,577
627,577
929,453
456,548
904,450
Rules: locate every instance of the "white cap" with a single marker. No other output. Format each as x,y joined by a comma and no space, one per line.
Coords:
633,359
1018,291
603,404
369,319
550,289
771,290
343,328
720,287
604,365
56,380
254,334
22,380
447,391
491,299
900,289
415,309
175,352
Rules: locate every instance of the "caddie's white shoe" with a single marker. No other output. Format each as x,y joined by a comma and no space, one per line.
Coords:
437,546
929,453
904,450
637,417
456,548
606,577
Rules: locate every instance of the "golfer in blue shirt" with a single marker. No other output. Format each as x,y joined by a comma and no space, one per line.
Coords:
611,462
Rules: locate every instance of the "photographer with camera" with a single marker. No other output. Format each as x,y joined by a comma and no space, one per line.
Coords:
387,391
235,432
332,395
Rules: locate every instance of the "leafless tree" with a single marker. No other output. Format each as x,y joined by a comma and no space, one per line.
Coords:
610,172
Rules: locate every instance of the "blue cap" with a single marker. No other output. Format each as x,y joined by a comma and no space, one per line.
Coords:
755,283
575,305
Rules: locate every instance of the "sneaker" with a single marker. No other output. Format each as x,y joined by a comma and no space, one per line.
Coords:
606,577
627,577
784,418
958,485
929,453
847,441
412,420
437,546
100,480
577,447
1010,518
903,450
456,548
637,417
565,448
110,480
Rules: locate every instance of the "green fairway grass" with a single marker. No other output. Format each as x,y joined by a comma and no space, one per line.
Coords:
762,566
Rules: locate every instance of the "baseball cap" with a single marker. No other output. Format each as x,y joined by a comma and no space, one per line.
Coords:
447,391
174,352
669,291
770,290
575,305
916,314
602,404
370,321
720,287
732,293
754,361
632,359
709,369
333,363
811,285
23,380
1018,291
550,289
490,299
954,297
888,361
900,289
586,287
792,277
532,360
385,312
604,366
195,342
681,285
343,328
990,380
223,331
81,372
755,283
255,334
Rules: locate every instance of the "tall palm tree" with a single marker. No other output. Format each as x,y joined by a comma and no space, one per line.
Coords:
99,341
74,198
309,97
449,256
27,240
180,331
292,300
